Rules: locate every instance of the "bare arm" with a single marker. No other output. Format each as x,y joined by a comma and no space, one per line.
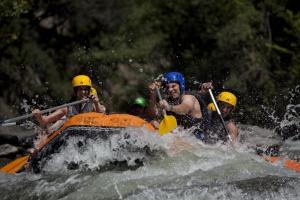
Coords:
46,119
153,109
97,106
186,106
233,131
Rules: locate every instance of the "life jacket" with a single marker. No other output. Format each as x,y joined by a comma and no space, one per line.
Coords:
80,108
216,131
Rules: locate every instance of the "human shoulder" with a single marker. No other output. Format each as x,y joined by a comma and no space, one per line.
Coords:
188,96
188,99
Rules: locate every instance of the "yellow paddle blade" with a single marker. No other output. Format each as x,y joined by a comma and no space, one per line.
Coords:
168,124
16,165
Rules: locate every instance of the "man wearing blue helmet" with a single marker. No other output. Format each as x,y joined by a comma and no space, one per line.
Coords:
184,107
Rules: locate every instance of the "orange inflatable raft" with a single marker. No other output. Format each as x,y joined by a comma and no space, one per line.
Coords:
110,121
289,164
92,119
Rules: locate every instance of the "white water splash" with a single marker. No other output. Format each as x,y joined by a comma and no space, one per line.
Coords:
181,167
98,153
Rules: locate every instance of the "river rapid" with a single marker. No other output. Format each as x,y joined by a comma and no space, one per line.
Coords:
138,164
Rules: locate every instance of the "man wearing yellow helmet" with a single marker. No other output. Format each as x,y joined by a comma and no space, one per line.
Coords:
227,102
82,86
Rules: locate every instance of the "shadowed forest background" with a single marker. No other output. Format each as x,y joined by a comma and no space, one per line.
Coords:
247,46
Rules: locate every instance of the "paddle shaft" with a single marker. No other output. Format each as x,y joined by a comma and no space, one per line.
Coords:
160,99
219,113
16,165
12,120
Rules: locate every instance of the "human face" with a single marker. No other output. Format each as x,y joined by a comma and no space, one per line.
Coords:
82,92
173,90
225,108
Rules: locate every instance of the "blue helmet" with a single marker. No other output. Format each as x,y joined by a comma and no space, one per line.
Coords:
175,77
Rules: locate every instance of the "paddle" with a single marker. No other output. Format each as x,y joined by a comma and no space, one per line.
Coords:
12,121
169,122
219,113
16,165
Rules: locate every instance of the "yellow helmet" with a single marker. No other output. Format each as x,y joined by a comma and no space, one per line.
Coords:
93,91
227,97
81,80
211,107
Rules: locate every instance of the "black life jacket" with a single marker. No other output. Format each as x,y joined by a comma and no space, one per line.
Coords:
216,132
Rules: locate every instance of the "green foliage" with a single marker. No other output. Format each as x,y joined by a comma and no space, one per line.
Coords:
10,8
251,47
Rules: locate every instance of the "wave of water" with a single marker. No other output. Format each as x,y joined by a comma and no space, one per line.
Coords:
137,164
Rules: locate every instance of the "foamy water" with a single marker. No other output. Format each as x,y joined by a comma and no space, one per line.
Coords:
174,166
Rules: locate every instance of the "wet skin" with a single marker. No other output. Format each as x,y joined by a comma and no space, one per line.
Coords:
82,92
173,90
225,108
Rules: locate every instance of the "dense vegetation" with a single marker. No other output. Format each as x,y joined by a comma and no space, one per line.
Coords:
248,46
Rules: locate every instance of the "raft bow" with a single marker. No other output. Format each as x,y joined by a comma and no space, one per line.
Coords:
91,119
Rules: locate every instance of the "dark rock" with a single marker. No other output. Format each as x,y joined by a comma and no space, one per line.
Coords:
7,149
9,139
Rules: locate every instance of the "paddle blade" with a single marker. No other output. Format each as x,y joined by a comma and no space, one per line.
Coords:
168,124
16,165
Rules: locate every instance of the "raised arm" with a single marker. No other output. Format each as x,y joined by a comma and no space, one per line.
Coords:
97,106
153,110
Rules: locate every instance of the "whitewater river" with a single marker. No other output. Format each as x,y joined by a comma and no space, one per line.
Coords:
137,164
